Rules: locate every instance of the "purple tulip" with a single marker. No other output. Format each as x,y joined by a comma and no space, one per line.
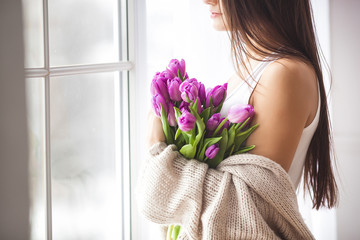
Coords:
212,151
158,100
202,94
159,85
239,113
152,87
173,88
218,94
199,107
171,115
186,121
166,74
184,106
189,91
201,89
194,81
213,122
175,66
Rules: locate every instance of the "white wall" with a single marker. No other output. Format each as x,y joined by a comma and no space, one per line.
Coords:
345,52
14,198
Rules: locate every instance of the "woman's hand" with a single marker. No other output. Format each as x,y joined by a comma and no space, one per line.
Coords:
154,130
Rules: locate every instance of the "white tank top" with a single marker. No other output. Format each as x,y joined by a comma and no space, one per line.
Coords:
242,95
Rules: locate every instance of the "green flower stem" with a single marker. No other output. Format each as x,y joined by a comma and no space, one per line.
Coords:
166,127
240,125
175,232
220,126
169,232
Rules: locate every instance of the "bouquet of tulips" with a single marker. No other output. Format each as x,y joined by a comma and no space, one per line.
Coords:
191,119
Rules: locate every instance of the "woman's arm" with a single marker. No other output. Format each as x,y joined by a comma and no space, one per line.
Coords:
283,101
154,130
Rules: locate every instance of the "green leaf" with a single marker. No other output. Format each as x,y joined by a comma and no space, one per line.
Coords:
199,124
200,145
205,114
231,134
231,150
180,76
240,126
178,133
220,156
194,105
218,109
180,141
166,127
177,113
188,151
211,106
242,136
186,137
192,136
245,149
219,127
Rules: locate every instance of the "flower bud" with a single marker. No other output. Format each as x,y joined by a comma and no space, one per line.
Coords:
202,94
184,106
213,122
175,66
158,85
173,89
218,94
212,151
226,125
239,113
186,121
158,100
189,91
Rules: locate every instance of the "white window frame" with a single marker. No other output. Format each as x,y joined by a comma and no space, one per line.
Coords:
126,69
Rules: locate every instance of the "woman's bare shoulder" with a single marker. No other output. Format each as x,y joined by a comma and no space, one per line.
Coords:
289,77
290,72
282,107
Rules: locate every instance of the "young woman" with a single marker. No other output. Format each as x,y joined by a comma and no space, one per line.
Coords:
278,71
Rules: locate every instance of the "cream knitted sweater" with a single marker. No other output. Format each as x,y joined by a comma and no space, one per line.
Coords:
246,197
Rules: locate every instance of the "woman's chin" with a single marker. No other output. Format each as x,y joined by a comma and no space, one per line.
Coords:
219,26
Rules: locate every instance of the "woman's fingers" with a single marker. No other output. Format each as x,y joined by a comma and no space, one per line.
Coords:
154,129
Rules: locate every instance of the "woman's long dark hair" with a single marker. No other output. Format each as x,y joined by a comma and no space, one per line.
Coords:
285,29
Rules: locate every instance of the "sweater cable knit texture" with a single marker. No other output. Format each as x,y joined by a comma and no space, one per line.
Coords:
246,197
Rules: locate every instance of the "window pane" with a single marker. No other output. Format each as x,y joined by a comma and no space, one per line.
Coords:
33,33
36,123
83,31
86,179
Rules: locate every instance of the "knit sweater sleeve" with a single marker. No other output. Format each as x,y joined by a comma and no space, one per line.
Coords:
246,197
171,189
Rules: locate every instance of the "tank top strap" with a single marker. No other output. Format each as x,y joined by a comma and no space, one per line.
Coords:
245,88
254,78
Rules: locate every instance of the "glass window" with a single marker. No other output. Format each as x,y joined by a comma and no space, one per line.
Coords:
86,198
79,163
83,32
36,125
33,33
